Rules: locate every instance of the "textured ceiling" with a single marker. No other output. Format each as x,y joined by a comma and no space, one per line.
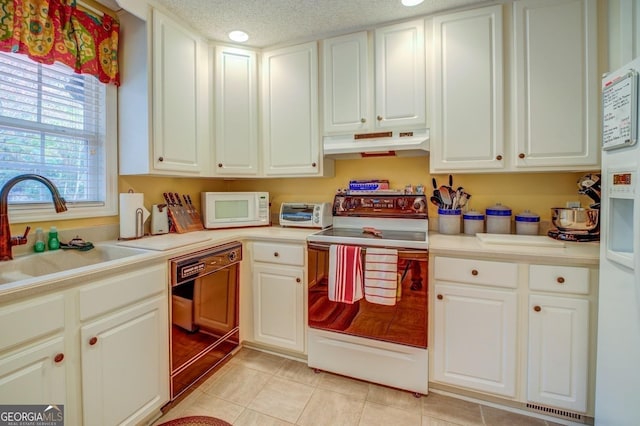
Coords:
276,22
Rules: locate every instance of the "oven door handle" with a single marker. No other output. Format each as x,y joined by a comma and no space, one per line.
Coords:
407,253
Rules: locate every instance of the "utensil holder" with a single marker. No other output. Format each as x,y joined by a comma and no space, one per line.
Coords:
449,221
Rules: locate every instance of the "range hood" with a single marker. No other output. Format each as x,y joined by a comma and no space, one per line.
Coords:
403,143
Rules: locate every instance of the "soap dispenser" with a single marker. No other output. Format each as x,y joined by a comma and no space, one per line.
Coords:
39,244
54,242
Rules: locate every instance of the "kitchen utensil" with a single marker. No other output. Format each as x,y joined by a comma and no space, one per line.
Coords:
437,201
575,219
445,196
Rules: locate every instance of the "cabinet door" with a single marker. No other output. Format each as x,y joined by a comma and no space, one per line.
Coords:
290,111
475,338
346,83
180,113
236,112
400,75
555,92
558,351
35,375
468,111
125,364
278,306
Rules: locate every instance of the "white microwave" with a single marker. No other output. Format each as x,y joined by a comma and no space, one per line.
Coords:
235,209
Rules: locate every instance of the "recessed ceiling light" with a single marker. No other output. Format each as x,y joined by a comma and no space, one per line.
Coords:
411,2
239,36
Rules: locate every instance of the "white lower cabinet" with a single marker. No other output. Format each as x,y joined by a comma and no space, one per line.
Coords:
278,306
35,374
279,295
558,351
101,348
475,338
33,361
124,357
512,329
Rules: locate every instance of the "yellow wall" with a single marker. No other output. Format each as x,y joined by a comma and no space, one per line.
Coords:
537,192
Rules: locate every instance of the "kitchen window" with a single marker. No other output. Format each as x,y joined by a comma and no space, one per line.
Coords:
61,125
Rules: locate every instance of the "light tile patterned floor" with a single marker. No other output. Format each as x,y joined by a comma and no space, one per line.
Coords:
256,388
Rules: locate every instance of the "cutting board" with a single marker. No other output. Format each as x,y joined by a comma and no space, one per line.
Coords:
165,242
520,240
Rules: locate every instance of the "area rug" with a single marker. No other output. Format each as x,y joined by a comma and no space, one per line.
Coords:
196,421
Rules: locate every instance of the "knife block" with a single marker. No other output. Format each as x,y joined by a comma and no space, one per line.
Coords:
183,221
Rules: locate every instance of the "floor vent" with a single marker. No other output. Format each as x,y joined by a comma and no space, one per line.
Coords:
556,412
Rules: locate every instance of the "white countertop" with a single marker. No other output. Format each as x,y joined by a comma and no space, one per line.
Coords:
567,253
163,247
153,249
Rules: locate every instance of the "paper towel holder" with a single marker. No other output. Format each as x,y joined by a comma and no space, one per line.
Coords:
139,223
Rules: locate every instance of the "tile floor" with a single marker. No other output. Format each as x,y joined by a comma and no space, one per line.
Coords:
256,388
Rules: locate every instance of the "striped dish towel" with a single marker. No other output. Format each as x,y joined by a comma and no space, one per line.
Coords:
381,276
345,273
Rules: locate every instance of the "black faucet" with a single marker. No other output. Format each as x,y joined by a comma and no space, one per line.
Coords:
6,240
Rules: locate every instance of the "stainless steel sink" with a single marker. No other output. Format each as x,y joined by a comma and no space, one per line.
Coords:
39,264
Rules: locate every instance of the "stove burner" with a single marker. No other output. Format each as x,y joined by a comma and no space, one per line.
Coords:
573,236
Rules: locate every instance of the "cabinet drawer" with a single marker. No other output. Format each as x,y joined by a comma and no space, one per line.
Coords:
284,254
559,279
121,290
29,320
483,272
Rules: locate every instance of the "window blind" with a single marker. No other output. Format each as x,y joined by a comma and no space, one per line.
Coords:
52,123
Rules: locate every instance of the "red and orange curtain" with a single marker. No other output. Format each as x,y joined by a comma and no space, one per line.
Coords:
51,31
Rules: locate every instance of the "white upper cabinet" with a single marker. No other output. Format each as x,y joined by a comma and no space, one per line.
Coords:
163,124
555,84
346,83
468,111
290,111
235,83
361,94
550,123
400,75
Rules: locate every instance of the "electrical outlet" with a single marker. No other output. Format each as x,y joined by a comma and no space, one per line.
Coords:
573,204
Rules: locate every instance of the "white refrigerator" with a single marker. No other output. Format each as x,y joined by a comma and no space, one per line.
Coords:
618,355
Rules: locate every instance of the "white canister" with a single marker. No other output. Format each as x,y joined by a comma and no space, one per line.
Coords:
527,223
473,222
498,219
449,221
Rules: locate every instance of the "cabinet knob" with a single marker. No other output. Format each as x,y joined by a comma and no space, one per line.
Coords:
499,157
440,297
313,164
560,280
219,164
537,308
379,118
363,120
298,280
161,159
521,155
93,340
276,254
58,358
474,272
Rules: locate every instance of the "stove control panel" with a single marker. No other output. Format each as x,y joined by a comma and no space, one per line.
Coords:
371,205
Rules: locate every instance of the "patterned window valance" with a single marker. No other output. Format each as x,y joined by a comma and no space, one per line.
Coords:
51,31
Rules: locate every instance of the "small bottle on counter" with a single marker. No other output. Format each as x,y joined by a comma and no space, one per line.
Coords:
39,244
54,242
